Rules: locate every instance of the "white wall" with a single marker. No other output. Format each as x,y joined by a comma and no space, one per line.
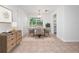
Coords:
71,24
18,16
68,23
4,27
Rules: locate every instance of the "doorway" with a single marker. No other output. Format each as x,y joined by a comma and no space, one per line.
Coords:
55,24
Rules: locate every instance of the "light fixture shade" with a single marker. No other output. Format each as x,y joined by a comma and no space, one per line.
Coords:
14,25
39,16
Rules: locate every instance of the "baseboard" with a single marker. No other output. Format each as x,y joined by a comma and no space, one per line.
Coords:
60,38
66,40
71,40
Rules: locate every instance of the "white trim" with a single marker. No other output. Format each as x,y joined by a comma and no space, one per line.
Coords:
71,40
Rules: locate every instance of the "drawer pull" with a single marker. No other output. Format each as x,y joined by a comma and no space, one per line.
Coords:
12,44
11,33
12,39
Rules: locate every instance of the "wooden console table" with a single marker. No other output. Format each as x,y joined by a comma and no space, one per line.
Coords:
9,40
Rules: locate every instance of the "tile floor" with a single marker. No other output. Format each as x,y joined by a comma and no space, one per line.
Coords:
45,45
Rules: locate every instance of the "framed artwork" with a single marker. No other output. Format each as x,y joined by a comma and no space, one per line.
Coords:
5,14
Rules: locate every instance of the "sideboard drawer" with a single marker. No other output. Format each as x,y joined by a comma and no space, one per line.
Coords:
10,47
18,41
9,42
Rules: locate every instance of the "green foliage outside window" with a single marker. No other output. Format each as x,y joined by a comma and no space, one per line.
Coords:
35,22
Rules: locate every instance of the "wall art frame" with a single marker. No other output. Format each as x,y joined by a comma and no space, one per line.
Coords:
5,15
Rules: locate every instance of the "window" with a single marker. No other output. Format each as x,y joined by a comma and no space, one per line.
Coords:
35,22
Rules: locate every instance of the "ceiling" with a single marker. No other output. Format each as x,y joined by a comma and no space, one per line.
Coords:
34,9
